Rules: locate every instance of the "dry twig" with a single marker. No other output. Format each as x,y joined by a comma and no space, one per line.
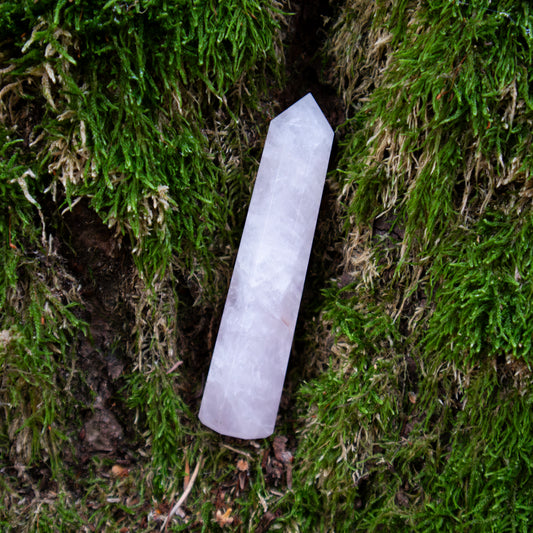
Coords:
184,496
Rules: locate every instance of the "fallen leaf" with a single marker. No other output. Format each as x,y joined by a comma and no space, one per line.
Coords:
289,476
224,519
280,451
274,469
266,521
242,474
242,465
243,480
119,471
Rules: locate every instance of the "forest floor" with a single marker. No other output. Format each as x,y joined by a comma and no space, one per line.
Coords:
406,404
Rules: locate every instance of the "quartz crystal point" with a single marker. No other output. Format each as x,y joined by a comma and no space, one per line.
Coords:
245,380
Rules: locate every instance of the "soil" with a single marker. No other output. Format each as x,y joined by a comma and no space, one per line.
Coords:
103,268
305,67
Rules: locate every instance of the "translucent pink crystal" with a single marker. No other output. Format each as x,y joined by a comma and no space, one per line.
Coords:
245,380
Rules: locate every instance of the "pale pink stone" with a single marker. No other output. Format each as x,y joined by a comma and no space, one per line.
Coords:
245,380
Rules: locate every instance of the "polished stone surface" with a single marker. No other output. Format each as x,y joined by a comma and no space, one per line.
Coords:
245,380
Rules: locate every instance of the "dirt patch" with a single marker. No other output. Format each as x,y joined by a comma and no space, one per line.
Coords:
102,264
305,70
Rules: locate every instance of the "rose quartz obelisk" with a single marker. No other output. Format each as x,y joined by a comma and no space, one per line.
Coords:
245,380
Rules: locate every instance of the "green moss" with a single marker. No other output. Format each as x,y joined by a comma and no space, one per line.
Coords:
129,91
449,122
37,324
483,481
148,110
421,423
352,418
37,363
484,292
422,419
164,414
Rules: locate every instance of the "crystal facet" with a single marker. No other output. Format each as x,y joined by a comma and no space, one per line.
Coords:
245,380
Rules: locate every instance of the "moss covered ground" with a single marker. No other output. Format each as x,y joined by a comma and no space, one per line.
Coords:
130,135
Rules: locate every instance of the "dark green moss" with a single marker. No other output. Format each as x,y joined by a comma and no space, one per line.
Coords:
136,110
435,178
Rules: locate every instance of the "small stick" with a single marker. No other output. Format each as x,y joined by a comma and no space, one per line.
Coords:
246,454
187,478
183,497
179,363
